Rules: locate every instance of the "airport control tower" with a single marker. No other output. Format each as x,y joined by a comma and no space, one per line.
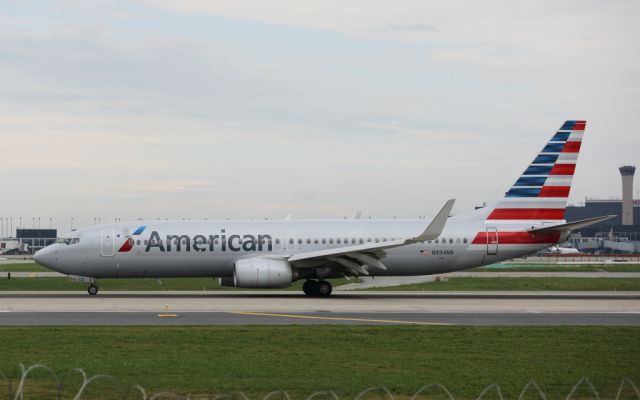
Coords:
627,172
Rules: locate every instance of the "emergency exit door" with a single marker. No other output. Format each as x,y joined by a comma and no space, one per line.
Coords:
107,246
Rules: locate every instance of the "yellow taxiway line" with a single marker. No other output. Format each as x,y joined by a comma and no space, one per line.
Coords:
300,316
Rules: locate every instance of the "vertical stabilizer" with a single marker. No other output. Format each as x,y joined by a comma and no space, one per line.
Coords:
541,192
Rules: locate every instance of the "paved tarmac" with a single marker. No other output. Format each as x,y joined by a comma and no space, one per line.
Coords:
387,281
259,307
317,318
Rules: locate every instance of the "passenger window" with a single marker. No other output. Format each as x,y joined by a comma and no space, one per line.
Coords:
451,241
368,240
308,241
315,241
353,240
437,241
457,240
464,240
146,242
277,241
338,240
361,241
384,239
299,241
290,241
324,241
138,242
330,241
429,241
377,240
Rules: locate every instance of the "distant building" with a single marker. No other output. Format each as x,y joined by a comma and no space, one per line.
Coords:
626,172
619,234
35,239
598,207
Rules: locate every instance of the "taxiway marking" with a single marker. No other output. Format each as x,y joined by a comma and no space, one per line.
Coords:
301,316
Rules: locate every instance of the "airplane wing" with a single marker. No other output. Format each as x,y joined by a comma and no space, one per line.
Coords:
356,259
572,225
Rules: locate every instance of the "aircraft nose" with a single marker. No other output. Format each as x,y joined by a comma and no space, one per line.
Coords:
43,256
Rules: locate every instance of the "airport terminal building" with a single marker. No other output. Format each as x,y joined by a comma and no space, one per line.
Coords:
620,234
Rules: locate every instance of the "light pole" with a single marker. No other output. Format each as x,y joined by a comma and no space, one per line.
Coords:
72,223
38,222
50,222
33,222
20,224
11,229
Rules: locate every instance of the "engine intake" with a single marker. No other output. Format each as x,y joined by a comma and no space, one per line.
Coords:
260,273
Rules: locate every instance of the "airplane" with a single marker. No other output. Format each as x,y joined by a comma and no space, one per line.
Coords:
563,250
274,253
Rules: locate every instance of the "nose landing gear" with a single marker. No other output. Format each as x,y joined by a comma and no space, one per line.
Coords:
92,289
317,288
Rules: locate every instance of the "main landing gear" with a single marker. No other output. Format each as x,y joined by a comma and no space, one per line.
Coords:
92,289
317,288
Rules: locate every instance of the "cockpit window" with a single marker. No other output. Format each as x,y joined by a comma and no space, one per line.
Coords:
68,241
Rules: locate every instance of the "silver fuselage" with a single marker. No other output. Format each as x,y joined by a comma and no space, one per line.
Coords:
210,248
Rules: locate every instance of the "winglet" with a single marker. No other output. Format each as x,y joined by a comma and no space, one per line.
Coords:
437,225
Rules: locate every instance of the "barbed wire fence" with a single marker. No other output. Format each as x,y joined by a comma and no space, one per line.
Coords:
17,392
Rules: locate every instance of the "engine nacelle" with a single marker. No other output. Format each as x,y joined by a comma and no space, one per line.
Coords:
260,273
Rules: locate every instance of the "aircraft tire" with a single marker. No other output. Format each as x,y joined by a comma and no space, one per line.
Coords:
92,290
310,288
324,289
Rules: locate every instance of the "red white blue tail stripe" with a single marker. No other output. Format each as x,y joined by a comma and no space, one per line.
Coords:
541,192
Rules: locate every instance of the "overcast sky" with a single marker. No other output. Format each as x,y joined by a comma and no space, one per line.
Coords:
239,109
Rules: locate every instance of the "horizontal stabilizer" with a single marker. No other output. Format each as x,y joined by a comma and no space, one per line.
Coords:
570,226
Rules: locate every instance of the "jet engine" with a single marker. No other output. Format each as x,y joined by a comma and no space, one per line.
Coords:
260,273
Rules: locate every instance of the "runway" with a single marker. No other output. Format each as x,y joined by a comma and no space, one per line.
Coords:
280,307
317,318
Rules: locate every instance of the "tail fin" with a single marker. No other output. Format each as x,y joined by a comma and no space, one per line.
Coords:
542,190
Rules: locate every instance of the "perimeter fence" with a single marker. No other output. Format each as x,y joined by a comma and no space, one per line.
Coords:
61,390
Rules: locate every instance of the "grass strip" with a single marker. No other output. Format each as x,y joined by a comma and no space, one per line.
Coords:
345,359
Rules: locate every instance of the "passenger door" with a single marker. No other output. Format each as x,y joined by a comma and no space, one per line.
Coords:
107,243
492,241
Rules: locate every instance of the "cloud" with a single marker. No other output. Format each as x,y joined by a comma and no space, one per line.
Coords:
412,28
319,108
